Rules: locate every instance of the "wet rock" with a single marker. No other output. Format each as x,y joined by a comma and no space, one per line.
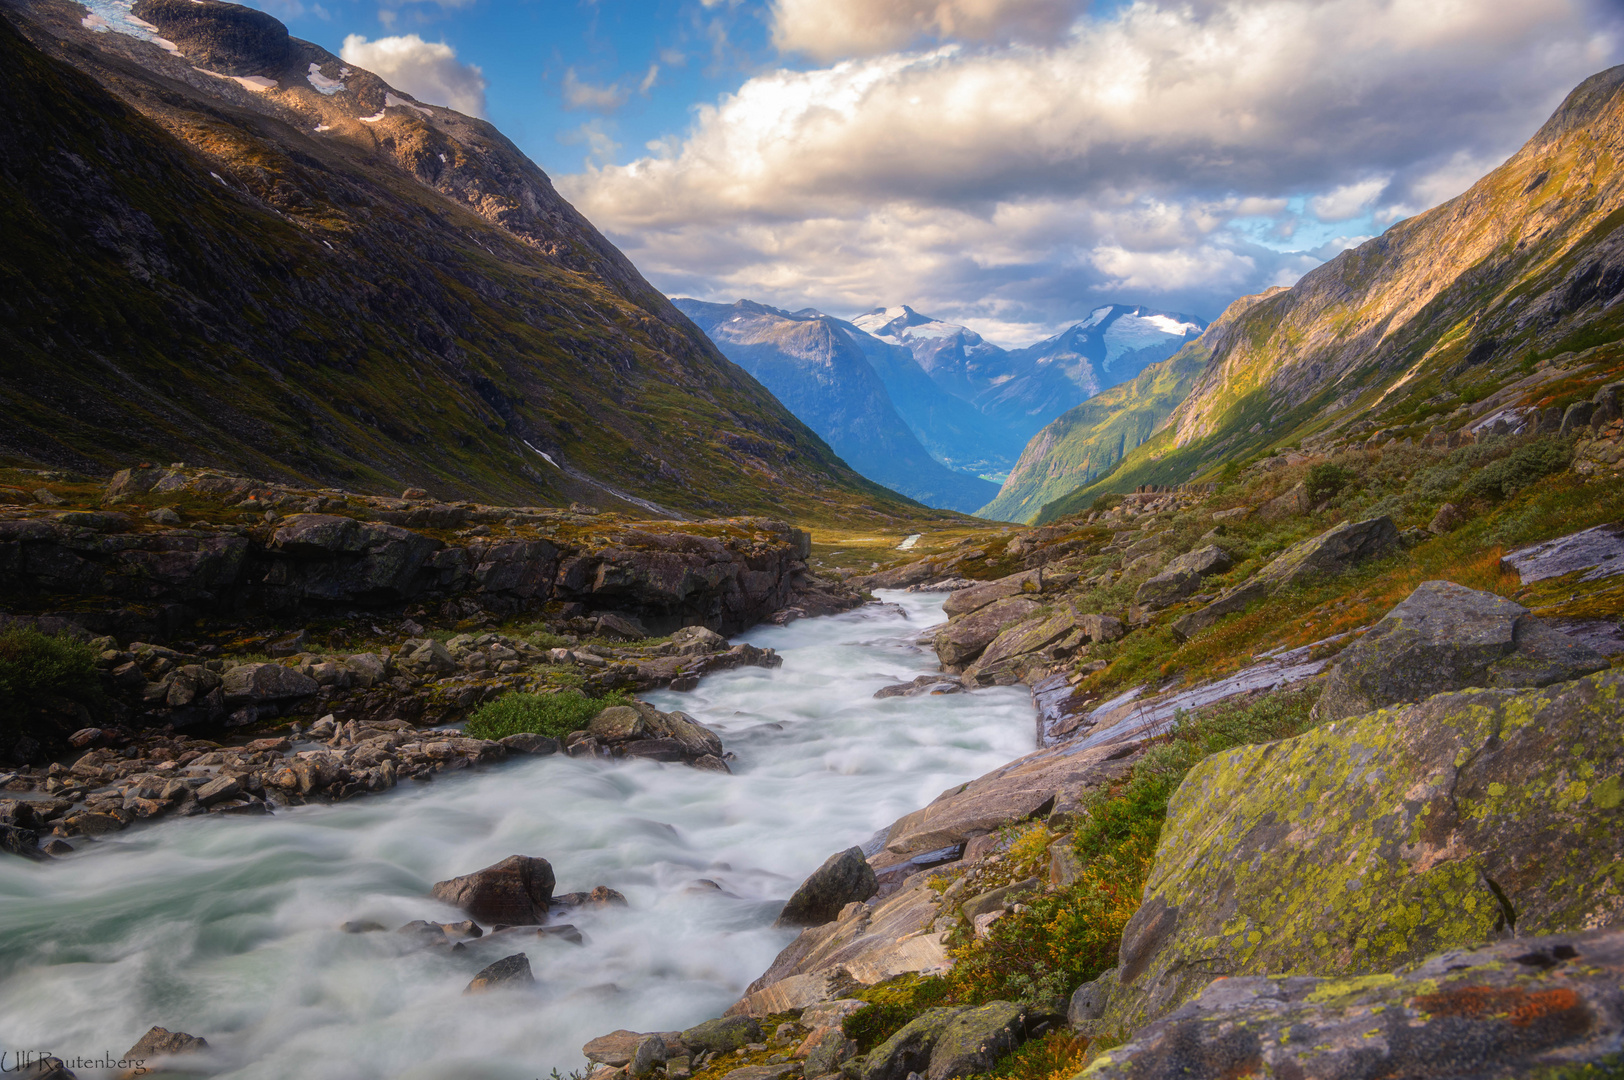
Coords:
844,878
974,1039
1369,843
19,841
515,891
361,926
923,684
1445,636
909,1050
1542,1006
162,1043
510,971
963,639
722,1035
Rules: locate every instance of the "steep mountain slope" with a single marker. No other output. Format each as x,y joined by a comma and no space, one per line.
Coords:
812,364
225,246
1092,438
1510,289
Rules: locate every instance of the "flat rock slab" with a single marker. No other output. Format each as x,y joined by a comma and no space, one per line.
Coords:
1365,844
1599,550
1531,1007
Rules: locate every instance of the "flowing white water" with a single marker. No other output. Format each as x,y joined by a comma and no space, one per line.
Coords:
228,927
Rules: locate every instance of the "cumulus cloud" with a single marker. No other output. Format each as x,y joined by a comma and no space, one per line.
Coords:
1017,182
833,29
427,70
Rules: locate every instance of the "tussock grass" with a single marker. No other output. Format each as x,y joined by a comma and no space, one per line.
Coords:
554,715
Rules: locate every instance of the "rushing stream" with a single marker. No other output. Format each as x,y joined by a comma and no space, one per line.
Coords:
228,928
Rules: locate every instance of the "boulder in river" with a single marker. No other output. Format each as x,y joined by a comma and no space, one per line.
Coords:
842,879
515,891
507,972
159,1043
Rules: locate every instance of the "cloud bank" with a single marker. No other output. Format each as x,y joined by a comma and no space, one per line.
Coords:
1030,163
427,70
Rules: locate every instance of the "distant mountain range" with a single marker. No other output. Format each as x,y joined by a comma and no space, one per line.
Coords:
919,404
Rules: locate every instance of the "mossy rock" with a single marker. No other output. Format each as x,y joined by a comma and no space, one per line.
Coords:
1369,843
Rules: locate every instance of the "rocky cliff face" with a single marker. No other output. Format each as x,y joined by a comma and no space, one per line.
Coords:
816,366
242,252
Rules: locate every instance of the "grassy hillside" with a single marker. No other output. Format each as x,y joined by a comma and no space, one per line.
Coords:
190,276
1514,277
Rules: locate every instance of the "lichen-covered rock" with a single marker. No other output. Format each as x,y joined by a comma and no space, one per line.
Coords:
1445,636
909,1050
619,723
515,891
1545,1007
844,878
722,1035
974,1039
1368,843
266,682
964,601
1181,577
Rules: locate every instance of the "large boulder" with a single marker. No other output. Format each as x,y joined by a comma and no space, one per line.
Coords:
1445,636
1546,1006
976,597
1181,577
976,1038
909,1050
844,878
1331,552
515,891
509,971
1362,845
963,639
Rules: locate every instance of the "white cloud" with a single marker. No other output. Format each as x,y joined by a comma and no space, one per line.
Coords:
649,80
581,95
1016,182
427,70
833,29
600,146
1348,200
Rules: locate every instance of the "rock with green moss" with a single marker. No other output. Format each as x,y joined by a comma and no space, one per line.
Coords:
722,1035
1443,637
1366,844
976,1038
1550,1007
909,1050
963,639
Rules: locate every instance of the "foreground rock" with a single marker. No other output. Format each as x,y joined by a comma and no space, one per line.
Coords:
1366,844
1542,1006
845,878
517,891
1447,637
510,971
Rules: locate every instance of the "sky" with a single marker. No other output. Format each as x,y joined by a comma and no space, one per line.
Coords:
1005,164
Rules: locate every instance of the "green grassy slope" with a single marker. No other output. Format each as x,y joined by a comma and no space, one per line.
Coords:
1442,310
187,280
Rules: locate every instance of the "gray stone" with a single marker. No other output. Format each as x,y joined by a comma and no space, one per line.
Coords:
1577,416
614,1049
1600,551
909,1050
844,878
650,1053
777,1071
963,639
1089,1001
996,899
510,971
1543,1006
697,640
619,723
620,626
722,1035
1443,637
829,1049
530,743
218,789
516,891
976,1038
249,683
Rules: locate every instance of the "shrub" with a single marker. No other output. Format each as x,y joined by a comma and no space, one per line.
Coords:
891,1004
1326,480
1058,1055
1108,501
1522,467
36,666
554,715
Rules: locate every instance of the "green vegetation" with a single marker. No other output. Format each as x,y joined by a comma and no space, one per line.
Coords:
553,715
1068,937
1520,468
1326,480
36,670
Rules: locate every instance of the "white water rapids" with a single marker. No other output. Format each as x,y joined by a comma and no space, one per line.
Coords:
228,928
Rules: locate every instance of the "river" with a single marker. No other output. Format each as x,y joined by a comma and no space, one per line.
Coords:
229,928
